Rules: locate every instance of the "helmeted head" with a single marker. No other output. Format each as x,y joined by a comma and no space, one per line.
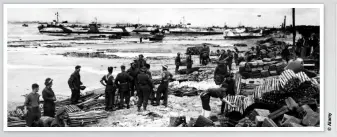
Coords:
133,65
165,67
141,56
78,68
110,69
143,69
48,82
148,66
122,67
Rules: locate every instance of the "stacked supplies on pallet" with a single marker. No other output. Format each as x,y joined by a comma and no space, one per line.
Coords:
262,68
241,102
268,85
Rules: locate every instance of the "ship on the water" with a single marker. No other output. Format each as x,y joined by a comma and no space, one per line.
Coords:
63,28
185,28
242,33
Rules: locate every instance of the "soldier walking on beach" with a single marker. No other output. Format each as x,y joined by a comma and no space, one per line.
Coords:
145,85
223,55
75,83
32,108
189,62
229,59
49,99
133,71
177,62
110,90
141,61
220,72
122,82
204,54
163,87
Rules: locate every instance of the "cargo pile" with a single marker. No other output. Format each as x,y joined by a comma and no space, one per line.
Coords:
81,114
262,68
196,50
292,114
298,86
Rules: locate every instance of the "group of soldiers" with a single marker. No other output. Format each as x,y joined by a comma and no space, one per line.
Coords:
32,111
135,81
137,78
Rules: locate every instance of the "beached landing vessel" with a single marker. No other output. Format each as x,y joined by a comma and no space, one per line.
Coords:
242,33
56,27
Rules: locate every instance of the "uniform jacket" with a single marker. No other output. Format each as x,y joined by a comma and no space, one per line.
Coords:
74,81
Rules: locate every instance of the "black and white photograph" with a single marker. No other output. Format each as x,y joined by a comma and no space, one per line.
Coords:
163,67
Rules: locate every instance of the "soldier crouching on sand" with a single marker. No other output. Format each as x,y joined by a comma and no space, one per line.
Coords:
216,93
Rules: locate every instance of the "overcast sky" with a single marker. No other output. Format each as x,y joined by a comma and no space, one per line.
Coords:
197,17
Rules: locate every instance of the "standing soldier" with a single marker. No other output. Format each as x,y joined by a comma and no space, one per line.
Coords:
75,83
141,62
236,56
32,108
220,72
148,72
122,82
145,85
163,87
110,89
189,62
229,59
133,72
223,55
49,99
204,50
177,62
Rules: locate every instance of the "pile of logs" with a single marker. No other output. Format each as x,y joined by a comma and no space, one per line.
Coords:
84,118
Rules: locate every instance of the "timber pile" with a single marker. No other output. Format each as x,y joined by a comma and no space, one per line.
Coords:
84,118
18,123
81,113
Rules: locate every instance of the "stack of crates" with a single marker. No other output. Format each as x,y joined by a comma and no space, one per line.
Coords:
262,68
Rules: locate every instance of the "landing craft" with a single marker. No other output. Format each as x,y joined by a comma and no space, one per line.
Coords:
93,28
242,33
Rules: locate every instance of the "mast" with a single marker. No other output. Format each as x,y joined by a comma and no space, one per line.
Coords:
284,23
294,28
57,16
